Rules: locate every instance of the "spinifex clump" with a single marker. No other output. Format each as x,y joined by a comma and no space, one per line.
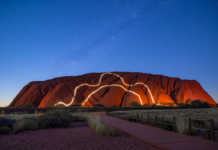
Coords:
55,118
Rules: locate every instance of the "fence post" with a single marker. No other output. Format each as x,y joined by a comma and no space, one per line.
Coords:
142,118
212,130
189,126
137,117
174,124
207,134
148,120
163,121
156,121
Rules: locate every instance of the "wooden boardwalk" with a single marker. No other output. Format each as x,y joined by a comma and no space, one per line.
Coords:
158,138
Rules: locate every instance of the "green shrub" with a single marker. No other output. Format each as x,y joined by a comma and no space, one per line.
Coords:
199,104
55,118
182,105
51,105
4,130
26,123
11,106
18,126
154,105
98,105
134,104
30,123
26,112
77,117
80,110
77,106
145,105
29,106
18,117
6,122
2,112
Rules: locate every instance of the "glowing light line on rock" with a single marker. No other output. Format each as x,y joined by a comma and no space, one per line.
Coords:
105,86
110,86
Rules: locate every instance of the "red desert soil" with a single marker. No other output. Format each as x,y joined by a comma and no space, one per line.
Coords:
78,136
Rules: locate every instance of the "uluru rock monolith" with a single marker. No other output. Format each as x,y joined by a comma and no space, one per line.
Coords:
119,88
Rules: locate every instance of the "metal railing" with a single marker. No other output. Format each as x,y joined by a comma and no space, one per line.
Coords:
153,119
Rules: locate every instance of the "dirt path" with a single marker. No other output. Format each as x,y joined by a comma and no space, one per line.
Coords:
78,136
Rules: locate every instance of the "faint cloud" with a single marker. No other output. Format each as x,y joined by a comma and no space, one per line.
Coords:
73,63
133,14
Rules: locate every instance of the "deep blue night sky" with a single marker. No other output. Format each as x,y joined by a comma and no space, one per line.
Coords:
41,40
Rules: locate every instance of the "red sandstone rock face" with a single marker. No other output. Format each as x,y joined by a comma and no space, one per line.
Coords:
163,89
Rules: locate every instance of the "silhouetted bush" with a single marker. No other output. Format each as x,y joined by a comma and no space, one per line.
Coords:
153,105
7,122
98,105
134,104
4,130
182,105
11,106
114,106
55,118
79,105
29,106
145,105
199,104
2,112
52,105
77,117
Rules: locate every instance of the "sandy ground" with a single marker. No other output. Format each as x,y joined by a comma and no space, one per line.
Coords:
78,136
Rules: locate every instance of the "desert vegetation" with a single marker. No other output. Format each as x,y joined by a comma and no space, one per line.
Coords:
96,124
52,119
188,104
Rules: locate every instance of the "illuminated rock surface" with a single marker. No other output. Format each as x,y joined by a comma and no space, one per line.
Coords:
163,89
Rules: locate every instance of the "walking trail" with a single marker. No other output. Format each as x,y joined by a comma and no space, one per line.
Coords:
158,138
